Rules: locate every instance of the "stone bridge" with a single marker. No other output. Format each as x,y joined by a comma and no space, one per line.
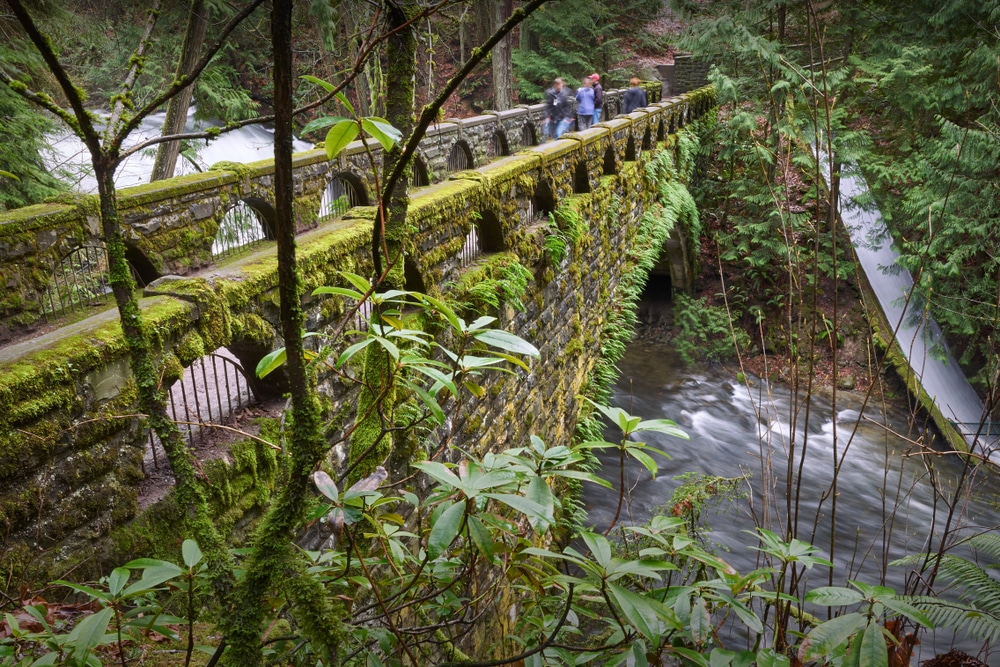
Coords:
71,446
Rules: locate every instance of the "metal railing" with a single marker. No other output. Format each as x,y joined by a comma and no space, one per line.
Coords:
459,158
80,281
339,197
241,228
210,392
472,249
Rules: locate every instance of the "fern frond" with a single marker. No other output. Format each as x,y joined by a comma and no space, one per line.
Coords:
969,620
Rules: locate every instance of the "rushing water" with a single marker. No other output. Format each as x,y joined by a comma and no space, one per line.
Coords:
919,336
885,507
69,156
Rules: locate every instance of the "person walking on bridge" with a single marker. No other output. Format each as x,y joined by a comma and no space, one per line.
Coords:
585,104
635,97
558,109
598,97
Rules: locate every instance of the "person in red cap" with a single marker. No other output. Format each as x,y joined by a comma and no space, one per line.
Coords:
598,97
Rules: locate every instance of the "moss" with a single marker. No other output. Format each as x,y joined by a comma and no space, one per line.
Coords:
190,348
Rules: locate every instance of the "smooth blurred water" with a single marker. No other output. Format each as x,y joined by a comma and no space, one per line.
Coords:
919,336
246,144
885,504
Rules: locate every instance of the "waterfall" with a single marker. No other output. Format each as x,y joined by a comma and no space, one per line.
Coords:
919,336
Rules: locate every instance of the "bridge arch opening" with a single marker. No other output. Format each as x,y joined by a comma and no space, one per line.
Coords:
661,131
420,177
460,157
647,139
529,137
630,154
542,203
656,302
211,391
498,145
343,192
143,269
242,227
581,179
610,166
79,281
412,276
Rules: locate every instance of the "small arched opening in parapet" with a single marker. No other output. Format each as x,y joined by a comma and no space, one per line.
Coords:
647,139
143,269
460,157
413,277
661,131
210,393
242,227
610,167
485,236
80,281
630,149
343,192
542,204
498,145
528,135
581,179
420,176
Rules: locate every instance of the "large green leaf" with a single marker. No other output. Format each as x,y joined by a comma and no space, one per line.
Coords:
326,485
599,547
507,341
640,611
320,123
827,636
538,491
191,553
873,652
325,85
382,130
908,610
445,529
89,633
339,291
338,136
270,362
538,516
834,596
662,426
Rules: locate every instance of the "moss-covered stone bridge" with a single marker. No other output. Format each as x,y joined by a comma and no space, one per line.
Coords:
71,445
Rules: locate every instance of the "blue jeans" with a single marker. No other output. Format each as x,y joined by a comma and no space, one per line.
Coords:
556,129
597,115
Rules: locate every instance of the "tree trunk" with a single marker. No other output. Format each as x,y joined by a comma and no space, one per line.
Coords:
272,555
177,107
503,88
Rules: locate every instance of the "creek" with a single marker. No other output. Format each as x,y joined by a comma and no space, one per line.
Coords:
68,155
886,505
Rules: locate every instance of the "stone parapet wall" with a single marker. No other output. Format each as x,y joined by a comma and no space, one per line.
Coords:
70,442
171,225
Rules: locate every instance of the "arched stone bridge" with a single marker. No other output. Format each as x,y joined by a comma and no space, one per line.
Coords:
71,447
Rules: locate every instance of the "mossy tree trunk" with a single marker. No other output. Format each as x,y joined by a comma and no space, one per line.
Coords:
273,557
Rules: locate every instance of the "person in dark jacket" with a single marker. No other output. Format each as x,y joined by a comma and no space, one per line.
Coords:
598,97
635,97
558,109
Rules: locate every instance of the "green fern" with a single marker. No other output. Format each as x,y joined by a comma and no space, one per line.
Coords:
976,613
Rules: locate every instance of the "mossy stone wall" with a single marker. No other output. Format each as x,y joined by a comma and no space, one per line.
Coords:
71,444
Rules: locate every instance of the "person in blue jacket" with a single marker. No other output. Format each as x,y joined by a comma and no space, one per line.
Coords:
585,104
